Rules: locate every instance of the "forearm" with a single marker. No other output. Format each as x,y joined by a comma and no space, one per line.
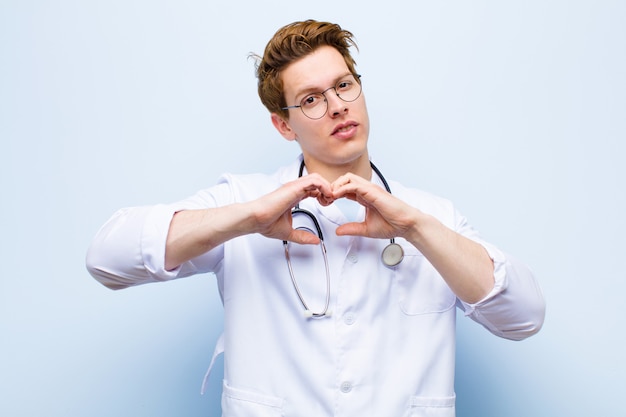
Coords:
464,264
195,232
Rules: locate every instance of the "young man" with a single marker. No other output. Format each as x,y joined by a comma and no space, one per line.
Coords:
367,327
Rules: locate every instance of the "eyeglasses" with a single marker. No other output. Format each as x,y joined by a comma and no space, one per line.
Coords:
314,105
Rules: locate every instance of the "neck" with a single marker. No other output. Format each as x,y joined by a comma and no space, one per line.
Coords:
360,167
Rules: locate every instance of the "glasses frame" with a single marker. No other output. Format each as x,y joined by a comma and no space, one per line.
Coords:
357,78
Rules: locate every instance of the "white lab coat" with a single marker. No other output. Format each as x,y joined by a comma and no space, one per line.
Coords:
388,348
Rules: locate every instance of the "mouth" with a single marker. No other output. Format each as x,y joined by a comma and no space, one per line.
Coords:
345,128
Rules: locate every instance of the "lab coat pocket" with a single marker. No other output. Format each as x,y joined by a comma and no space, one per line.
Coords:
420,288
431,407
242,403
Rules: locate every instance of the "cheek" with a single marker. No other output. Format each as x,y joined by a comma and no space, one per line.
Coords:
365,119
308,132
364,109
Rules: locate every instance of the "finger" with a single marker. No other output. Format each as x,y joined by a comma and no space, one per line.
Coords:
303,237
352,229
350,186
317,187
340,182
316,181
325,200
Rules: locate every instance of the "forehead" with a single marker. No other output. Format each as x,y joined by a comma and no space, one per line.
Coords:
315,71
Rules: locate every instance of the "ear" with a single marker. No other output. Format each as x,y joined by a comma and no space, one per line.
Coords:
283,127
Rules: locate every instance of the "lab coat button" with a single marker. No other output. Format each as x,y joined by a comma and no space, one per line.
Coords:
353,258
346,386
349,318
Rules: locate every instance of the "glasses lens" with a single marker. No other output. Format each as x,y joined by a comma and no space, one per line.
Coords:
348,89
314,105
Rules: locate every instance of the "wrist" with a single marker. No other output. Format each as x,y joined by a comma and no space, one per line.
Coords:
422,225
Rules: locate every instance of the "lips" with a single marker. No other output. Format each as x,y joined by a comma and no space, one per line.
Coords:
345,130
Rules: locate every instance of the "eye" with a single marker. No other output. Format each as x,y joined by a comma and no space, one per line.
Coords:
312,100
344,85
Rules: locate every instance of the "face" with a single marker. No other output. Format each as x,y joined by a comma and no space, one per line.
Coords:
337,141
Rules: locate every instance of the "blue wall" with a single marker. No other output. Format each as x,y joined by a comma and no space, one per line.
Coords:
514,110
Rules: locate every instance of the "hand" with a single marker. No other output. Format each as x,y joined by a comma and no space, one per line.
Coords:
273,211
385,215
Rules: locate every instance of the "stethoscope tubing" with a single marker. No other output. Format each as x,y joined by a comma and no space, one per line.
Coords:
391,256
308,311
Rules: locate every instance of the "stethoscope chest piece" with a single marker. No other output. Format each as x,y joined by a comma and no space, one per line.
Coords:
392,255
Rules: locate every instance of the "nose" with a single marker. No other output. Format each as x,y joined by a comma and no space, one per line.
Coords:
336,106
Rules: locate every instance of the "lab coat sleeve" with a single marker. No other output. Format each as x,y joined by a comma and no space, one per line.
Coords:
515,307
129,249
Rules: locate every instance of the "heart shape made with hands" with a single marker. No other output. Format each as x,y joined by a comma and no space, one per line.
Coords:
324,199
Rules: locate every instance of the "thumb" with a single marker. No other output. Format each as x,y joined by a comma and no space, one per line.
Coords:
352,229
303,237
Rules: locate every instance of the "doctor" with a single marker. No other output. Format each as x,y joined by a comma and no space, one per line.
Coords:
385,344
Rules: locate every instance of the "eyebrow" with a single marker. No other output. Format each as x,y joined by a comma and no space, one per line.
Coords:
309,90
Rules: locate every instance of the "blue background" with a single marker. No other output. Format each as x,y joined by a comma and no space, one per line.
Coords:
513,110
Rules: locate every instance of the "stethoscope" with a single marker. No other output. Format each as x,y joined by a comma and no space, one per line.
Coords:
391,256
